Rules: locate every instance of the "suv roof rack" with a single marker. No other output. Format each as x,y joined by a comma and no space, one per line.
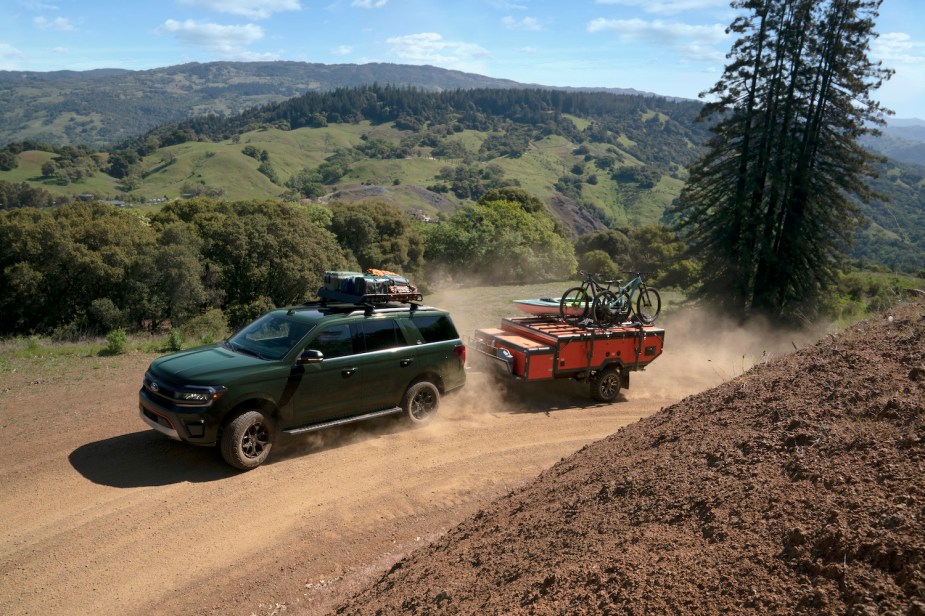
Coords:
356,308
371,298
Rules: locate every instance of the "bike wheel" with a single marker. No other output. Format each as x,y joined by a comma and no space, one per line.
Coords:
648,305
575,305
609,308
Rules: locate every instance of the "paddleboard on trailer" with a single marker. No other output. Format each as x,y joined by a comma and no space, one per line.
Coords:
548,306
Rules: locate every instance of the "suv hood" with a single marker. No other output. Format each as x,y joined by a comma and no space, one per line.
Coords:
209,365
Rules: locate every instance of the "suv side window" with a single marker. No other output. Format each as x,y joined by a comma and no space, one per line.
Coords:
334,341
434,328
381,334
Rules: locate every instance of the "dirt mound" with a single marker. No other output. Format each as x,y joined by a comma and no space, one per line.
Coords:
797,487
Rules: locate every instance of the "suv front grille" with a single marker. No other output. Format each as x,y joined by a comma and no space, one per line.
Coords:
158,391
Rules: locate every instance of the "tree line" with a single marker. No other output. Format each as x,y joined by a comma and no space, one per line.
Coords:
87,268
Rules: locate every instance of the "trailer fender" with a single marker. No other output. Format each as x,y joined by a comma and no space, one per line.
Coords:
624,372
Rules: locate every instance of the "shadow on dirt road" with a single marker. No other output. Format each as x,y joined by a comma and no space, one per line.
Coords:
147,458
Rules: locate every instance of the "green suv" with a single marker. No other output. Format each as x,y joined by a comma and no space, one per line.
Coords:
301,369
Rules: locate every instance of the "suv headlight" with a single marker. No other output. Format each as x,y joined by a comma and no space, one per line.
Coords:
198,396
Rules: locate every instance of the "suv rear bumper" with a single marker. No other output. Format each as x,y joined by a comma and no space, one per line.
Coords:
196,428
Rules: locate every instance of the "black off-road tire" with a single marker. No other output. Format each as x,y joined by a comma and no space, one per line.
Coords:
605,385
421,402
247,440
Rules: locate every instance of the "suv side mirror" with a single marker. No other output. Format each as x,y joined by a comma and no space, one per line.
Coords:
310,356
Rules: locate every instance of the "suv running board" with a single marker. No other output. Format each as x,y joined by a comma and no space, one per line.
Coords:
341,422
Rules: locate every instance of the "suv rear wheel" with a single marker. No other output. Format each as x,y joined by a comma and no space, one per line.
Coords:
421,402
247,440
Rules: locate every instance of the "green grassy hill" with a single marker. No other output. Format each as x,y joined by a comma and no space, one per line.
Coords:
596,160
105,107
222,167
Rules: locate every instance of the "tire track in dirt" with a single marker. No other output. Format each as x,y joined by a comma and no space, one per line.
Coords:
103,517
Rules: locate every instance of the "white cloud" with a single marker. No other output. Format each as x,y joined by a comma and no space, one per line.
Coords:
8,52
504,5
62,24
369,4
702,52
693,42
898,48
637,29
528,50
341,50
33,5
527,23
658,31
430,48
252,9
226,41
669,7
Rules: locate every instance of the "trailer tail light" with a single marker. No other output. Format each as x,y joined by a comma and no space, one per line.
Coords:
460,350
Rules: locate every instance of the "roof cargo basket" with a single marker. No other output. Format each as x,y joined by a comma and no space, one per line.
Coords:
373,287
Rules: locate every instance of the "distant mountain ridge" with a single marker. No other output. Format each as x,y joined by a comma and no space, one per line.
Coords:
901,139
103,107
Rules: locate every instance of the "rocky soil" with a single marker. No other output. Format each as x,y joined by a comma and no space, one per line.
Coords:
796,487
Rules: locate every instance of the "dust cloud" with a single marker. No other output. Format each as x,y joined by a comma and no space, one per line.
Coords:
701,351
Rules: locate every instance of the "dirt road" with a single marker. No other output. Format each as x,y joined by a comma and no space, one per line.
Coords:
100,515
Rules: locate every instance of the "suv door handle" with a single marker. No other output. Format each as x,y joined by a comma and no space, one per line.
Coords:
406,362
348,372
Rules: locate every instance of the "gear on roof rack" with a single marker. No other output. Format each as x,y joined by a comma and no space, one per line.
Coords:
374,287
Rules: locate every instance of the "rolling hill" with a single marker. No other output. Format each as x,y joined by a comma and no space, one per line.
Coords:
596,159
106,106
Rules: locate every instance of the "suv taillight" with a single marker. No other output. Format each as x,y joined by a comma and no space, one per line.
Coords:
460,350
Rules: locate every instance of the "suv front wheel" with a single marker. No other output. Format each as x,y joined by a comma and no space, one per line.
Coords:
247,440
421,402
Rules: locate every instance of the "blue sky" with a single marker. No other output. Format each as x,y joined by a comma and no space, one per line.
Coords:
671,47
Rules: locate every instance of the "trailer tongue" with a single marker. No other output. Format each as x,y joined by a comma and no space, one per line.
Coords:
546,348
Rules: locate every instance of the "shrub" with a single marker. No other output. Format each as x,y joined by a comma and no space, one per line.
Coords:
599,262
240,315
207,327
174,341
104,314
116,341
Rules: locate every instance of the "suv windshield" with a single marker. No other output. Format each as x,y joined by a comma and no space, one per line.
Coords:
269,337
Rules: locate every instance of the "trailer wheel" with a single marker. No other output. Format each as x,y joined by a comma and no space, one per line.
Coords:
605,385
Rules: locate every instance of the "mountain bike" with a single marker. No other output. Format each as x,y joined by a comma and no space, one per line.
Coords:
612,307
576,303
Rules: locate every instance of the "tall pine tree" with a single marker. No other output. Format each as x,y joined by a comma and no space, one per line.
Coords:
769,206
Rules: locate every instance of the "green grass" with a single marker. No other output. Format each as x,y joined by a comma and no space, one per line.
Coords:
580,123
30,170
471,139
174,170
860,294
